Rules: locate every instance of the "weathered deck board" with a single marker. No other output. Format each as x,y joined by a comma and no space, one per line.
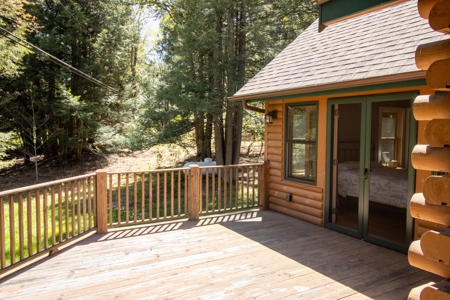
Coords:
239,256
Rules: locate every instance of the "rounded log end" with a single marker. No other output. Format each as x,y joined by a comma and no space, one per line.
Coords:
439,16
424,7
438,77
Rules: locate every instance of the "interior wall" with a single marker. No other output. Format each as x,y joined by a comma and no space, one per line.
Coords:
351,114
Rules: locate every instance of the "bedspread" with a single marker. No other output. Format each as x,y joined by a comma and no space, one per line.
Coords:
387,185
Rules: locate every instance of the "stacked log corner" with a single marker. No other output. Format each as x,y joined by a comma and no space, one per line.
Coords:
432,251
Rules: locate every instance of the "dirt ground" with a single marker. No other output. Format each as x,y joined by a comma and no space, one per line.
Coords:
14,174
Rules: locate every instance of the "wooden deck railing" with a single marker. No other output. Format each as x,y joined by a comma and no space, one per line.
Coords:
146,196
39,218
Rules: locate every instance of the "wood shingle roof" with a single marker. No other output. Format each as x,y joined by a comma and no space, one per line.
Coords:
379,45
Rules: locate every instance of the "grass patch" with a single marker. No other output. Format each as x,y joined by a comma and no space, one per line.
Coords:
33,222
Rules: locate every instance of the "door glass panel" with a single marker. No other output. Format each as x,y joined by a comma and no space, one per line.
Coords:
388,176
345,167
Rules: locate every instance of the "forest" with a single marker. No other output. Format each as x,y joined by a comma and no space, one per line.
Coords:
80,76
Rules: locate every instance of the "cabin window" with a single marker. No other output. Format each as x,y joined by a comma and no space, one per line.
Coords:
301,142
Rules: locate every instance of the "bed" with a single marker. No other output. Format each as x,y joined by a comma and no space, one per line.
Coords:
387,185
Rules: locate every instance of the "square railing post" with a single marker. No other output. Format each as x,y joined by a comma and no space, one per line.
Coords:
101,192
263,184
194,192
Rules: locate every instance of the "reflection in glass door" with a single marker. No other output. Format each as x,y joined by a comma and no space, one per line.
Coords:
346,142
388,178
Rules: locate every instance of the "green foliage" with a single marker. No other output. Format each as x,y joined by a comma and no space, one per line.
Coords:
15,19
210,49
72,114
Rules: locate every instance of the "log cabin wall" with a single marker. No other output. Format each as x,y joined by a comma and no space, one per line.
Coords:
308,201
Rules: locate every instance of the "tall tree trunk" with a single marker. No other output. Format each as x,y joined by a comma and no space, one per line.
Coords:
199,127
218,94
241,47
230,82
208,135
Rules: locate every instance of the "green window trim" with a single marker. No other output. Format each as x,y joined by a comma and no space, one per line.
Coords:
301,127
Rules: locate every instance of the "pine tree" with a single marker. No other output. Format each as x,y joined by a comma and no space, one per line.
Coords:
211,48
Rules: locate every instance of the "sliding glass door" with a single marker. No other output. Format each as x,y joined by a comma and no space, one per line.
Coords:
370,178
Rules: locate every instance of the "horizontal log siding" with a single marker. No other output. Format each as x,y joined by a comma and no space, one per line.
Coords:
307,201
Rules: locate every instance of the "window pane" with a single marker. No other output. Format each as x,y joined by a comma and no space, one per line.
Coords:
387,151
303,161
388,125
302,122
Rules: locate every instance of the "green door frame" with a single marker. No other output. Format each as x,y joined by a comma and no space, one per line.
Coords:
363,210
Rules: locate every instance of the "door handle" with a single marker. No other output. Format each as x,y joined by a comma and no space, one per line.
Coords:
365,173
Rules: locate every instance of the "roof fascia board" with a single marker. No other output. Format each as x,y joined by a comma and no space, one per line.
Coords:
336,91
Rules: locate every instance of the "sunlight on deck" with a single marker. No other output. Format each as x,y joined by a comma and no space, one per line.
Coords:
247,255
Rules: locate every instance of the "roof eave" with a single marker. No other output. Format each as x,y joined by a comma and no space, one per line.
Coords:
419,74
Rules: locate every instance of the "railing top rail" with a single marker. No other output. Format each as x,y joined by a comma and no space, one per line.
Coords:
231,166
184,169
149,171
43,185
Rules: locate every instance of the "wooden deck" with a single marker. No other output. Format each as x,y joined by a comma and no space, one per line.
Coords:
256,254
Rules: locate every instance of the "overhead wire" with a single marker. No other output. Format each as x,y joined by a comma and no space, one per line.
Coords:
11,36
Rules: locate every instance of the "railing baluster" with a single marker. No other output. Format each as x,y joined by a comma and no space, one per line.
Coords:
179,193
2,234
70,209
29,225
157,196
69,202
225,189
89,182
172,196
94,205
127,198
60,217
38,220
186,191
213,189
150,196
119,201
253,184
219,185
52,197
231,187
21,227
142,197
45,209
165,195
83,201
135,198
248,185
236,174
200,190
207,189
12,230
78,207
